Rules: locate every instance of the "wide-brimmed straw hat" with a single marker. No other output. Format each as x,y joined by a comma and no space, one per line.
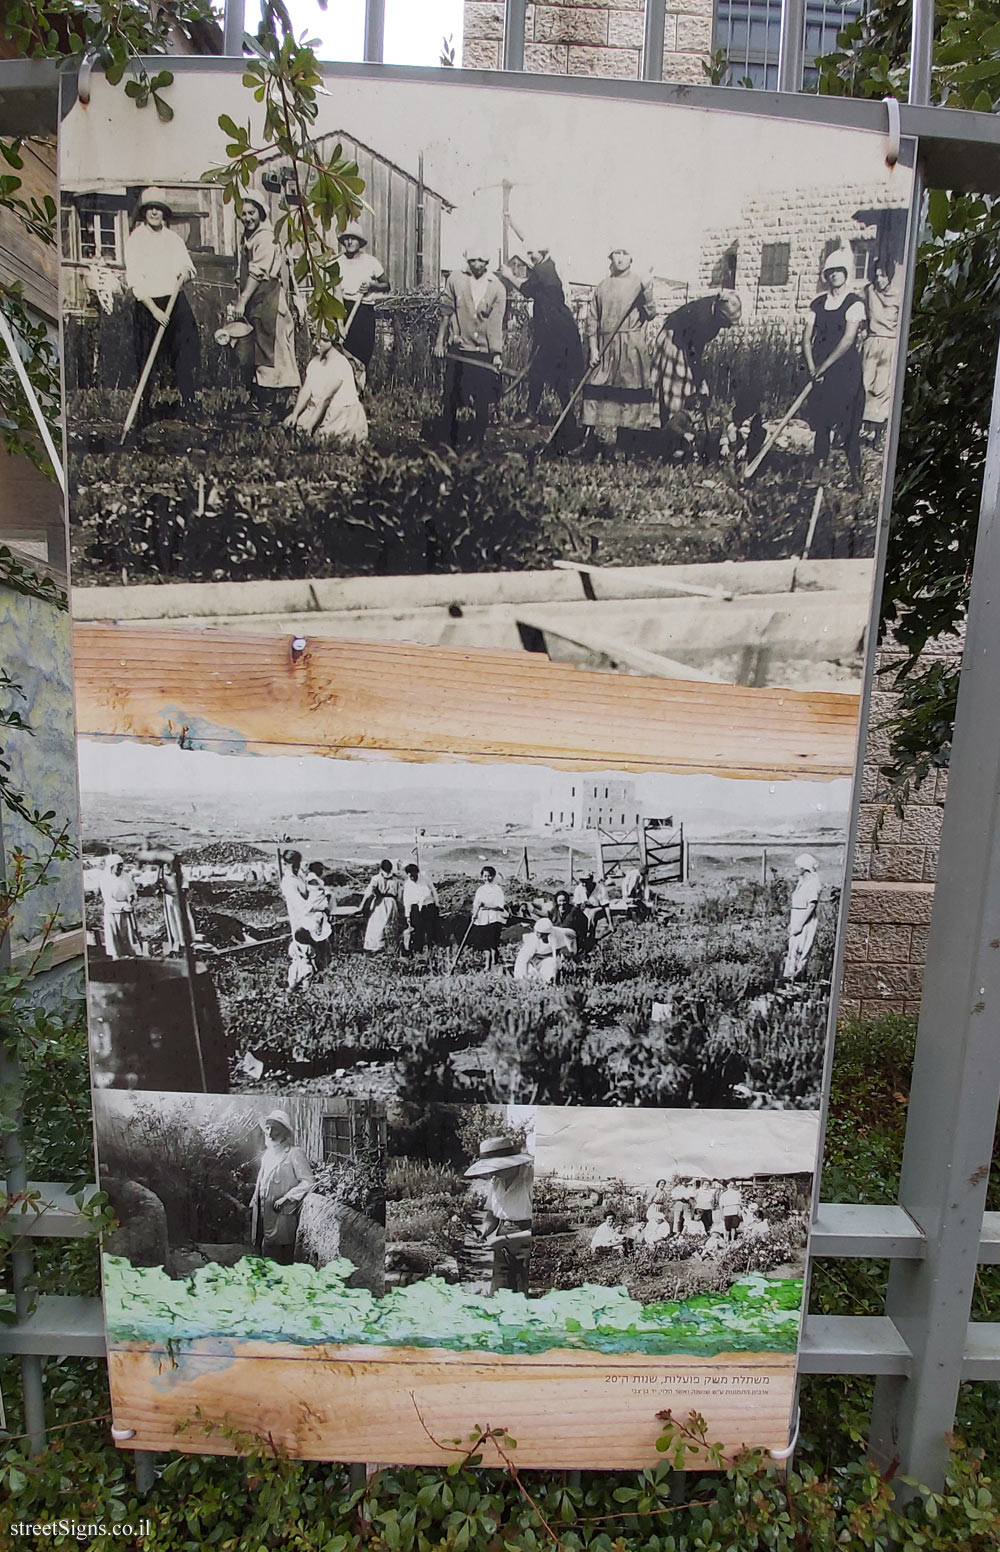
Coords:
154,196
354,231
279,1118
807,862
495,1155
544,925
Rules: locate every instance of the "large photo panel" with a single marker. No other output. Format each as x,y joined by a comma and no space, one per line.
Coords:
615,386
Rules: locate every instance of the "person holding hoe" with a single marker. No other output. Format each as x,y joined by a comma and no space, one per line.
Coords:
833,361
619,390
157,268
265,303
362,279
470,342
507,1218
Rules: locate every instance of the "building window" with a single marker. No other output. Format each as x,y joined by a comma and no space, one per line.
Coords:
337,1140
98,235
864,257
747,31
774,260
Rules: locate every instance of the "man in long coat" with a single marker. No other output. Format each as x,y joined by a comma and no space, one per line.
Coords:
619,391
470,342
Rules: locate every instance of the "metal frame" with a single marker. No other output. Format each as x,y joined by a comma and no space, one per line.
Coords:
923,1347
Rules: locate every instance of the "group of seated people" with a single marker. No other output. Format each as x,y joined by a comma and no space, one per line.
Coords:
568,925
716,1212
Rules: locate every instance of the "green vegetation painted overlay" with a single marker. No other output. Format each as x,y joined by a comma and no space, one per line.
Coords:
262,1301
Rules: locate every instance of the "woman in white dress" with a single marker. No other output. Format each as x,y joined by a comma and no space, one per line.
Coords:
381,899
118,891
284,1179
489,912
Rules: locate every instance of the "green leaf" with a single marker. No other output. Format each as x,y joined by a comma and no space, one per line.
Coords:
938,210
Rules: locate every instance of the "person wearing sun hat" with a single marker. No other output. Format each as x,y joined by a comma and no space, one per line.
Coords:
362,278
265,301
284,1179
119,894
507,1220
619,390
678,353
833,361
473,305
804,917
158,265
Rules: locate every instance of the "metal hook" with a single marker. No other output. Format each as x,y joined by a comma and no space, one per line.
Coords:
781,1455
86,70
892,154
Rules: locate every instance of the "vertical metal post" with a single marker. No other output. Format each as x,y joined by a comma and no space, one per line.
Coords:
374,31
791,45
955,1089
514,19
233,26
652,40
921,52
22,1260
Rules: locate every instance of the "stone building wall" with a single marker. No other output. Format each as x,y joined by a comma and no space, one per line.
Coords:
893,876
591,38
811,222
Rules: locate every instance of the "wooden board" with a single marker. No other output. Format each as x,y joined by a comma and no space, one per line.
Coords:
412,1405
242,693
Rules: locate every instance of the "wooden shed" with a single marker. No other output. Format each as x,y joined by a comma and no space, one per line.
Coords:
403,218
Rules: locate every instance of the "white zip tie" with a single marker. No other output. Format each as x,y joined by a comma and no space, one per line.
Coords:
121,1434
780,1455
892,154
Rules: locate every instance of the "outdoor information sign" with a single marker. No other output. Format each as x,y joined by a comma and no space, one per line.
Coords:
458,1020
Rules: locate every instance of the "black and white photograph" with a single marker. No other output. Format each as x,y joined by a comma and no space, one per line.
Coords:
672,1206
458,1195
613,384
199,1180
458,932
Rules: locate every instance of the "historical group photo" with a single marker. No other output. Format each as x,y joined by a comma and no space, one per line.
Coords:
450,932
675,1206
693,392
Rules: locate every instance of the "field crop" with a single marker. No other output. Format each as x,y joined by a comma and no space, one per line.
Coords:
686,1008
230,496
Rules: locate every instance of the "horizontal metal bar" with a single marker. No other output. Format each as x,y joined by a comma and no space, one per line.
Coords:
982,1352
831,1344
989,1245
861,1229
960,149
70,1327
852,1344
54,1215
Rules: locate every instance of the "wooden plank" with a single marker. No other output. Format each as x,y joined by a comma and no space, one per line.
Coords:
243,693
395,1406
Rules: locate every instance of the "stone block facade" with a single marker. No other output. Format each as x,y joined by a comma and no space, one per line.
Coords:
591,38
894,866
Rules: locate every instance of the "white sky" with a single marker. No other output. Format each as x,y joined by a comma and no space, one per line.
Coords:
587,173
184,776
414,29
643,1146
